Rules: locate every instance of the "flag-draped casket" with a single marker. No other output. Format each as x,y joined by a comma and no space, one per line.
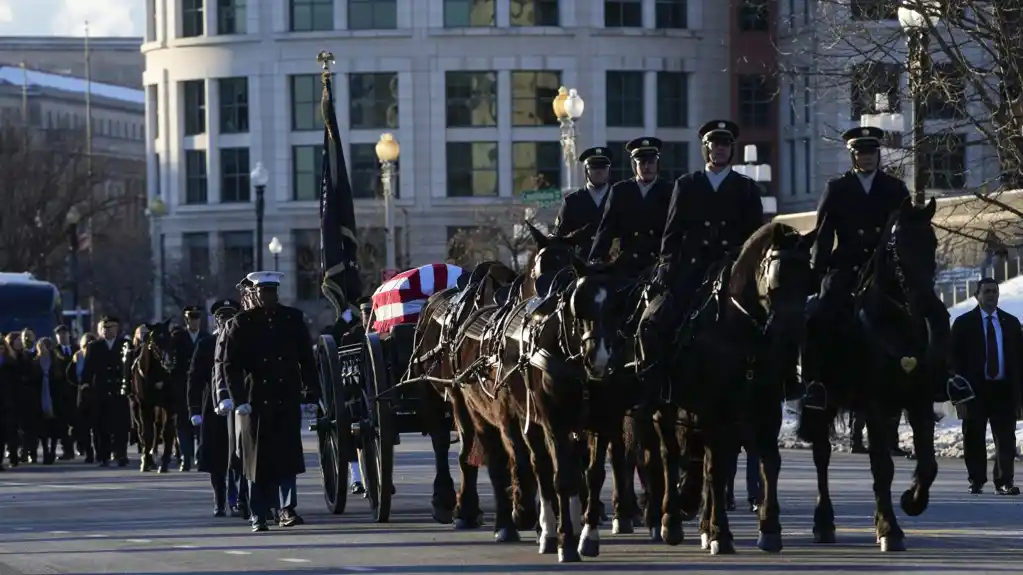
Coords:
401,298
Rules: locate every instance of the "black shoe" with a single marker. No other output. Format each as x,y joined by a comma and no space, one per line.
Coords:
899,452
90,458
731,504
289,518
186,464
219,513
122,462
976,489
816,397
234,511
1007,490
358,488
754,507
243,511
104,463
259,526
858,448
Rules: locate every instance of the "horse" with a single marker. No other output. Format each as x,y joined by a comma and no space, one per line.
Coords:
732,356
150,386
892,358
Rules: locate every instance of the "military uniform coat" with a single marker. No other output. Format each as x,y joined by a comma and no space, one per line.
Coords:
184,349
704,225
212,456
855,218
268,364
580,216
102,375
636,221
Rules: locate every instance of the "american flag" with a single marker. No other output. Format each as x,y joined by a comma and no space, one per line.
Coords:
401,298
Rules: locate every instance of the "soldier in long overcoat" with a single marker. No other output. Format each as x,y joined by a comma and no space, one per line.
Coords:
271,374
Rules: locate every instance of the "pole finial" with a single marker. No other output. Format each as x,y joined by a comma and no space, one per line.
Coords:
325,59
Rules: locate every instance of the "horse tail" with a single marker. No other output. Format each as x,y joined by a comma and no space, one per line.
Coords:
815,425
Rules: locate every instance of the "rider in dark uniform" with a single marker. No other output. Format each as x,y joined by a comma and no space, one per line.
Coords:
583,209
853,209
634,211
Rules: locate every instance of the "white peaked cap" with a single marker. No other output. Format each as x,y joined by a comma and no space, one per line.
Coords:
265,278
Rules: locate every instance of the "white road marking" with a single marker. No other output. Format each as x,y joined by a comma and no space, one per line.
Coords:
237,552
359,569
186,546
59,532
96,536
293,560
138,540
22,528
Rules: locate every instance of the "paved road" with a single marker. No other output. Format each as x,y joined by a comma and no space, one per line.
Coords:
77,519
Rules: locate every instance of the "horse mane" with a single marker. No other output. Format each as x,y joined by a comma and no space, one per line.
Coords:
744,270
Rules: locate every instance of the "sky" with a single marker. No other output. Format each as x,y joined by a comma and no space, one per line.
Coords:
68,17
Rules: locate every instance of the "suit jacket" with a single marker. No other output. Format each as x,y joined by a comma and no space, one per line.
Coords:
636,221
969,354
703,224
855,218
580,216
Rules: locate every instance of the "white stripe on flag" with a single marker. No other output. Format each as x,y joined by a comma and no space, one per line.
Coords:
393,310
426,279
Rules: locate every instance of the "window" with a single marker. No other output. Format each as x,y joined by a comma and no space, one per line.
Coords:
154,105
873,9
533,96
623,13
234,105
366,170
535,164
807,95
942,161
306,171
234,175
231,17
307,264
620,167
374,100
625,99
756,96
191,18
469,13
195,177
157,176
672,99
372,14
472,169
312,15
471,99
871,79
792,103
306,92
671,14
754,16
194,92
534,13
195,247
238,252
674,160
946,92
807,167
790,147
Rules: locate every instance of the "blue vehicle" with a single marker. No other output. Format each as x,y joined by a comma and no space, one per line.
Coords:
28,302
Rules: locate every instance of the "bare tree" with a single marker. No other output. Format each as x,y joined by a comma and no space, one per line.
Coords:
496,236
965,81
122,285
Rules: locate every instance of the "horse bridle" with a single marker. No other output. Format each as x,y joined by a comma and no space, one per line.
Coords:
772,256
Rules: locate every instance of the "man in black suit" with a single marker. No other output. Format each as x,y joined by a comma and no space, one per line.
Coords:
183,344
986,346
102,376
583,209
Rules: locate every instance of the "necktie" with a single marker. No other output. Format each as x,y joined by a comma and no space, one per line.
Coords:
67,351
991,365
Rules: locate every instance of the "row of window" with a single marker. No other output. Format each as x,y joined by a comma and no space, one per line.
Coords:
945,98
318,15
100,126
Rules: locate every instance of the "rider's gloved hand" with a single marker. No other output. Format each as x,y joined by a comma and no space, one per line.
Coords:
225,407
243,409
196,420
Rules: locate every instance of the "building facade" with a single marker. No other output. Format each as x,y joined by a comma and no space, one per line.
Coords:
111,60
465,87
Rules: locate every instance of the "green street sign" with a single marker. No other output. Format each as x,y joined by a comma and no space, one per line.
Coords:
543,198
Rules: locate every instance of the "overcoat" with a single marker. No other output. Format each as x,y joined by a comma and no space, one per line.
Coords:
212,456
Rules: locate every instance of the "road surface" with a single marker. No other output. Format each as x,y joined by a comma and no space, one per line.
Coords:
76,519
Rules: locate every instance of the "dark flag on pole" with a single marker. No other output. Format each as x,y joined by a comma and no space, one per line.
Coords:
338,244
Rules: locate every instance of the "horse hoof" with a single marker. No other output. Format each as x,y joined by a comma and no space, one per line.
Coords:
548,545
619,527
638,521
824,536
914,501
442,515
161,469
507,535
589,547
770,542
673,535
568,555
722,547
704,541
464,524
891,543
655,535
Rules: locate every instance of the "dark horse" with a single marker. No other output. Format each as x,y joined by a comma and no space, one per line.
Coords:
153,395
734,354
890,356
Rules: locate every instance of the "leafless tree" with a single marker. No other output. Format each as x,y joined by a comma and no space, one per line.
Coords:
968,84
122,285
496,236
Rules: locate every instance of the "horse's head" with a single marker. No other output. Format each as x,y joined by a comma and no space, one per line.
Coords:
906,259
598,307
774,267
158,342
552,255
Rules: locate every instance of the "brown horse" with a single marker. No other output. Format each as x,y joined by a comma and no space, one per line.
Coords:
153,396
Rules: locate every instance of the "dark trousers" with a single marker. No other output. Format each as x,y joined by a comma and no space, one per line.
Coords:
81,431
753,489
110,428
265,496
832,310
186,435
986,409
227,489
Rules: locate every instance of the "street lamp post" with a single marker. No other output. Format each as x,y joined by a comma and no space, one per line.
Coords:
156,210
916,22
259,178
568,107
387,150
73,217
760,173
276,247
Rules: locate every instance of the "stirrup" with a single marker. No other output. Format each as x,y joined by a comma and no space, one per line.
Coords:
816,397
959,389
